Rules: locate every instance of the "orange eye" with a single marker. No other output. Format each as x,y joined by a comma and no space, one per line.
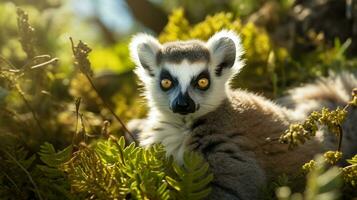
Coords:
166,83
203,83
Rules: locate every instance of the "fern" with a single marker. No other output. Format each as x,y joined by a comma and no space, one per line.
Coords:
193,177
22,178
111,170
51,158
51,179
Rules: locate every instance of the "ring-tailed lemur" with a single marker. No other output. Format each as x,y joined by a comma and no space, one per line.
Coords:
186,84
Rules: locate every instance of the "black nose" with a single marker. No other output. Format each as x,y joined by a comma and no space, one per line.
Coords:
183,104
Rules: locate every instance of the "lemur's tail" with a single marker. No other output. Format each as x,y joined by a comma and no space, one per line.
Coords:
331,92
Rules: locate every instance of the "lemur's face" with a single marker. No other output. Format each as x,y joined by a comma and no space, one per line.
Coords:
186,77
184,87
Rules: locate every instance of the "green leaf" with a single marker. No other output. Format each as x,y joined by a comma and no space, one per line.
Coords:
353,160
193,177
50,157
173,183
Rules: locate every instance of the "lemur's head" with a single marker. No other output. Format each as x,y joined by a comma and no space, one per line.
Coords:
186,78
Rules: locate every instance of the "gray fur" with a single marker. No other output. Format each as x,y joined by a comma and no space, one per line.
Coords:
175,52
232,139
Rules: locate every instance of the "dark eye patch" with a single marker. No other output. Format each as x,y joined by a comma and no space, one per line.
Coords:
166,75
203,74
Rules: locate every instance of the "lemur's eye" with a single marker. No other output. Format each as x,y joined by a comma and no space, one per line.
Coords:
203,83
166,83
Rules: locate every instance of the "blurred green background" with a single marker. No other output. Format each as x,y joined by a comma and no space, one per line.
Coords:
287,42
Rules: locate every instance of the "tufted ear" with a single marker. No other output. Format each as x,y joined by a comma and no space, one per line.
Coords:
226,50
143,50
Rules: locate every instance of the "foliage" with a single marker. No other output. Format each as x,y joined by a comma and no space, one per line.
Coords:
193,177
112,170
255,40
323,60
22,178
114,58
82,62
269,68
196,10
299,133
15,78
350,172
108,169
322,184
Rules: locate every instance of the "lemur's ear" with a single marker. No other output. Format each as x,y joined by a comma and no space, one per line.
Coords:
226,50
143,50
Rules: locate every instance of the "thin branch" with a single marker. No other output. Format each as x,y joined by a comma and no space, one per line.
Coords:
27,173
83,127
72,44
340,137
29,62
350,166
41,56
7,62
110,109
34,59
77,104
28,105
80,53
53,60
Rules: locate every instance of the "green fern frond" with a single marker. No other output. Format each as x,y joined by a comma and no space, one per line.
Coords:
193,178
51,179
50,157
110,169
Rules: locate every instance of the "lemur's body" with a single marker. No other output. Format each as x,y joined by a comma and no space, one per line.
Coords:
192,108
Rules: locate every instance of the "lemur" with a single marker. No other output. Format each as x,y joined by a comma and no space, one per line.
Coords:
193,108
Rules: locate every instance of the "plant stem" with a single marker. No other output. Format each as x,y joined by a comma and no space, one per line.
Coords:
340,137
350,166
53,60
77,104
7,62
109,108
27,103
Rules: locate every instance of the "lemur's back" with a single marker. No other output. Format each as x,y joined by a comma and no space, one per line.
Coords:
236,145
248,120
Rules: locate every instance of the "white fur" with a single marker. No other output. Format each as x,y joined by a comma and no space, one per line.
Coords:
164,126
185,71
